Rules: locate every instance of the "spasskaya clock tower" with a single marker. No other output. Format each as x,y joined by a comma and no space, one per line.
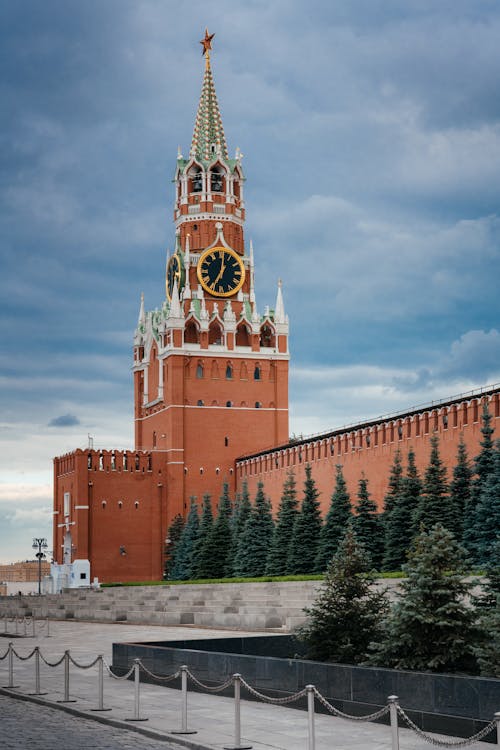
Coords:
210,370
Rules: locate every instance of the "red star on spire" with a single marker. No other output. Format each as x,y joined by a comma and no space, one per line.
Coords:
207,42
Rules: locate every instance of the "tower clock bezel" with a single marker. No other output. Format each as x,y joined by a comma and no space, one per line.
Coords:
224,273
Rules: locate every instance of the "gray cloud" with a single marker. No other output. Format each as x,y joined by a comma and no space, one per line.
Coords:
65,420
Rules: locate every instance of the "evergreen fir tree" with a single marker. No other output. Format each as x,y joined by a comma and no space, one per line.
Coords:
460,488
488,604
173,535
368,526
395,483
336,523
486,523
489,652
431,627
483,466
255,538
218,546
182,570
435,505
239,518
399,527
279,551
201,555
490,590
346,615
307,530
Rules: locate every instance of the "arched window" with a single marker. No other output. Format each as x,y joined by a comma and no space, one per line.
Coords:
216,180
229,403
229,372
191,333
201,402
215,333
199,371
258,405
256,373
196,180
242,335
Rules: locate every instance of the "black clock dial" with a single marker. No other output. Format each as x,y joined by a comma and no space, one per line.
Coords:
174,271
221,272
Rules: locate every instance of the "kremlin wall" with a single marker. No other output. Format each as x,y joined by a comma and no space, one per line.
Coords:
211,392
368,448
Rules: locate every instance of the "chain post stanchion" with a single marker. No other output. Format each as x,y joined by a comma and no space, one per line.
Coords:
11,668
37,673
66,698
100,686
137,716
237,717
311,740
393,713
496,716
184,704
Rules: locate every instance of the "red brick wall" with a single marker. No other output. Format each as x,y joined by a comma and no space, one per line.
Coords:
374,461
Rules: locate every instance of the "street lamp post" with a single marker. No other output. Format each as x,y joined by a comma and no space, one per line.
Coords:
40,543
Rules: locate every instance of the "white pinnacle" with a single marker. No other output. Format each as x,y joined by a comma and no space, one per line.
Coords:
142,315
279,309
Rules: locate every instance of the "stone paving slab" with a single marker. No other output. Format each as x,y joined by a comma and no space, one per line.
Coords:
265,727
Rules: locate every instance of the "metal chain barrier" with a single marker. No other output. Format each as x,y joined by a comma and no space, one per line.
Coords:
54,663
23,658
209,688
117,676
337,712
84,666
268,699
160,678
310,691
447,743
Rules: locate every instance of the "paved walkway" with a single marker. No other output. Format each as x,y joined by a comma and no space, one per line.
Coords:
263,726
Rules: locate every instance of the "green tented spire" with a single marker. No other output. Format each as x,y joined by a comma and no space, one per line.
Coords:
208,136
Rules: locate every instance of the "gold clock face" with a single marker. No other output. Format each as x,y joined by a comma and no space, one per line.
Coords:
221,272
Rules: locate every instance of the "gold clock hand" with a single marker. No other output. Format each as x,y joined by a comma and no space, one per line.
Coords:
222,269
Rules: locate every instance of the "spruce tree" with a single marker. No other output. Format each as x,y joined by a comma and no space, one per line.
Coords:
307,529
460,488
430,627
173,535
218,545
346,615
239,518
337,520
486,522
399,527
201,555
434,505
488,605
368,526
182,570
279,551
483,466
395,482
255,539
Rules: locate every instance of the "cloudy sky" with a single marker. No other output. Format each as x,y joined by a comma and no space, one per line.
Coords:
371,136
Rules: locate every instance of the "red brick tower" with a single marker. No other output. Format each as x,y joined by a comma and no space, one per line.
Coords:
211,373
